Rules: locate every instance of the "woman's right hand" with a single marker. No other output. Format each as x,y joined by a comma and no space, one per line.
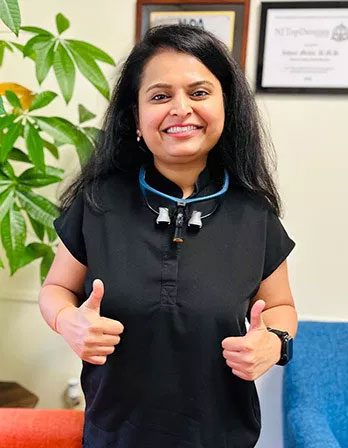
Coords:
91,336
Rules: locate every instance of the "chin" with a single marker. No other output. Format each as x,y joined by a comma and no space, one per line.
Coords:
184,152
183,156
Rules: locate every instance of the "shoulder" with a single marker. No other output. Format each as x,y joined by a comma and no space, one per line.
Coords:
118,182
248,201
113,188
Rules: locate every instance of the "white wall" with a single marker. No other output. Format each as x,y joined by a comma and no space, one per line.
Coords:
310,137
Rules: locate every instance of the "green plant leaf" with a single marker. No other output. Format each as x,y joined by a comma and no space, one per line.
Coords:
91,132
35,30
35,179
38,228
2,109
46,264
35,146
82,144
64,69
13,235
6,200
52,148
5,182
42,99
38,207
4,185
39,248
91,71
84,48
1,264
84,147
21,48
4,46
62,23
10,15
7,120
23,188
85,114
44,60
32,43
17,154
7,169
13,99
32,252
4,179
9,139
52,235
67,133
58,128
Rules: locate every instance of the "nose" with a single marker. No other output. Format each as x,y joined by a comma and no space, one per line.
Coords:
180,105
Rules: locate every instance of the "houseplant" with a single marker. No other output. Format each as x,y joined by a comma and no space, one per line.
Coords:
27,135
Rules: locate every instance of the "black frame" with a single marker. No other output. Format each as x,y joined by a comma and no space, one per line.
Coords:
265,6
240,7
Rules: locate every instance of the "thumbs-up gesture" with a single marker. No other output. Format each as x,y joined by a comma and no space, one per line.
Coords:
91,336
250,356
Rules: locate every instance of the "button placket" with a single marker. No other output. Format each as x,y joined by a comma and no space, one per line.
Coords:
169,274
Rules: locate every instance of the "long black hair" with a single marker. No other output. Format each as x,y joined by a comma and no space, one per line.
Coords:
243,148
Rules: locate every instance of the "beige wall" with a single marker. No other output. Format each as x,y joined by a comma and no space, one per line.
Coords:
310,136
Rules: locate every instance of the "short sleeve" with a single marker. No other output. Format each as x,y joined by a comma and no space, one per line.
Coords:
69,227
278,244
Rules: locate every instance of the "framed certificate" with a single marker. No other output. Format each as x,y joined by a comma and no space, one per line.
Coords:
228,20
303,47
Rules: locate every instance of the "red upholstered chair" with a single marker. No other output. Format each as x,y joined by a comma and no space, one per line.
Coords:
40,428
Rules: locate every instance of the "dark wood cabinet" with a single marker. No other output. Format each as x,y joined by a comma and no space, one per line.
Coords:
13,395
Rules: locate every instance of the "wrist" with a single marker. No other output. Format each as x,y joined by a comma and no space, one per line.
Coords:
276,346
60,316
286,345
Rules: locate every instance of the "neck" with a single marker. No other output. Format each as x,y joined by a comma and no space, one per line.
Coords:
183,175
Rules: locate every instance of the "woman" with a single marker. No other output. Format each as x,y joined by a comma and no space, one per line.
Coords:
157,269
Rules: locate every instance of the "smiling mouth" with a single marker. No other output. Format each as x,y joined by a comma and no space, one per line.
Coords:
181,129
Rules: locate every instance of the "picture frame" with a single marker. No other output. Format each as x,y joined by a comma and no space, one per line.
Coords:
227,19
303,48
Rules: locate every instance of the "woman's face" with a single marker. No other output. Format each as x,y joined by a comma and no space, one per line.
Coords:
180,108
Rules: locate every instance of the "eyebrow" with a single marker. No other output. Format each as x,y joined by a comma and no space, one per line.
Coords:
164,85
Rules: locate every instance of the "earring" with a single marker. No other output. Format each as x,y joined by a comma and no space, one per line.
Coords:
138,140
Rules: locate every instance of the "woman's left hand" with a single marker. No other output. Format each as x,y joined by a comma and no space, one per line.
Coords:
250,356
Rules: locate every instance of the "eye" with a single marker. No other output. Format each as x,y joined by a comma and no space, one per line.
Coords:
159,97
200,93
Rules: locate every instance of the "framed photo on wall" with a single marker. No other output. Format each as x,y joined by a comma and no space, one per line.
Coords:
228,20
303,47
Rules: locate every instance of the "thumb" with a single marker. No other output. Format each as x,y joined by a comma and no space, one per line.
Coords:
95,298
256,321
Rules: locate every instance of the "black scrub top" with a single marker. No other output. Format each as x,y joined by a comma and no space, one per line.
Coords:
167,384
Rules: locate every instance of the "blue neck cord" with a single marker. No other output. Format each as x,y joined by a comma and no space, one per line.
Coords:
145,186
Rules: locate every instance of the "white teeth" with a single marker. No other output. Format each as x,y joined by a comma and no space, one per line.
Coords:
176,129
